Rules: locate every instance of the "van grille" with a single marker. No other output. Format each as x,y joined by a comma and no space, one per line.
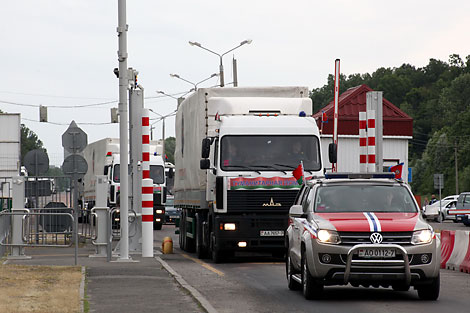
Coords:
354,238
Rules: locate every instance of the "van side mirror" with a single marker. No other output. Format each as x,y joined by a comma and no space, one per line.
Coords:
296,211
332,153
206,148
205,164
171,173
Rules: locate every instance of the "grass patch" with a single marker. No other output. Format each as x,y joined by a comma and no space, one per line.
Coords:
40,288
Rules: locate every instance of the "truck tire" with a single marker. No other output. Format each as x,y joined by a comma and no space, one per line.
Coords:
290,271
201,251
216,255
188,242
311,288
431,290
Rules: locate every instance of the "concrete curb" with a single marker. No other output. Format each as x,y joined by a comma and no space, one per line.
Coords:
196,294
82,290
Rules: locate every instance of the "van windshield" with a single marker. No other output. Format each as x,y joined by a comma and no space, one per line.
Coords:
269,152
157,173
364,198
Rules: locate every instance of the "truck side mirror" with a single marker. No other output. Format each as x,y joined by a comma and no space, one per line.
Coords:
171,173
332,153
206,148
205,164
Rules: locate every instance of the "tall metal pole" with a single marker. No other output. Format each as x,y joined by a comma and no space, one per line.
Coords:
163,141
123,134
221,72
335,117
235,73
456,170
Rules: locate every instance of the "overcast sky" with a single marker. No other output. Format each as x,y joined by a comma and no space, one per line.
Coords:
62,52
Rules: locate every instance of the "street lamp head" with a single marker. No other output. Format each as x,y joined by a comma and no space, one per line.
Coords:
248,41
175,75
194,43
214,75
161,92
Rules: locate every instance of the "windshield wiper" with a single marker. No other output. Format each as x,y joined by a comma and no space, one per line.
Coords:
271,167
245,167
290,166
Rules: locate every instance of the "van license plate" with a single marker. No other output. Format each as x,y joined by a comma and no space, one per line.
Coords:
271,233
377,253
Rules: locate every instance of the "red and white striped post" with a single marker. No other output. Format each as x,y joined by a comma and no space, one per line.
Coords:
362,142
371,141
147,189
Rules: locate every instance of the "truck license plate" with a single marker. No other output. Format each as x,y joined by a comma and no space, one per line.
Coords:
377,253
271,233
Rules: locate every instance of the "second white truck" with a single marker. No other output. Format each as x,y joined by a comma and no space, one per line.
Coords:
103,158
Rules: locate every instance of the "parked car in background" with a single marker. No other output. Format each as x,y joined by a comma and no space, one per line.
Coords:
462,209
171,213
438,211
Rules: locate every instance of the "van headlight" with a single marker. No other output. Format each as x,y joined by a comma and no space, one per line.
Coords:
422,236
328,236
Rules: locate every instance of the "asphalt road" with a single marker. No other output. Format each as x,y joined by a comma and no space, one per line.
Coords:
258,284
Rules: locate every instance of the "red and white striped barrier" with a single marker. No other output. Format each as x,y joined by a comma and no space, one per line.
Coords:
147,189
447,245
371,140
458,243
362,142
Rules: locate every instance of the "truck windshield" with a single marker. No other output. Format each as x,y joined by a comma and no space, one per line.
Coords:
157,173
269,152
363,198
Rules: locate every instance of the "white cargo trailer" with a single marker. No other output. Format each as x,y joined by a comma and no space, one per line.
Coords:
236,189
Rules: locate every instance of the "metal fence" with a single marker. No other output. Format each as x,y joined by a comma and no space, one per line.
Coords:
48,216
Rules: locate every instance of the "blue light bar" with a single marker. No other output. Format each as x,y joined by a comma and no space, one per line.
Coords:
359,175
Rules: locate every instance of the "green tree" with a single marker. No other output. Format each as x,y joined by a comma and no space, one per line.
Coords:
29,141
170,149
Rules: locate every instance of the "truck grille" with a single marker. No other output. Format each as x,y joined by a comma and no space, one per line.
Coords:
354,238
260,200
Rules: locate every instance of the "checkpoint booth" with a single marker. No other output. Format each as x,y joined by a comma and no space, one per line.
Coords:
397,131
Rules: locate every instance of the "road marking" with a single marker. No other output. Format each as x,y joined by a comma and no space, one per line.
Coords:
204,264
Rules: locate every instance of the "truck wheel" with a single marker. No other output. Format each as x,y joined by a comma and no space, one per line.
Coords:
431,290
217,256
200,249
311,288
290,271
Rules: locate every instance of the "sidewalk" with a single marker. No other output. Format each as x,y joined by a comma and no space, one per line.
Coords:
142,286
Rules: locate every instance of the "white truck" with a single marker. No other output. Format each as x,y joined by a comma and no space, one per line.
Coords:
237,197
103,158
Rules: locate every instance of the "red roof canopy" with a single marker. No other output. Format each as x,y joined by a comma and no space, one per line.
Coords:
351,102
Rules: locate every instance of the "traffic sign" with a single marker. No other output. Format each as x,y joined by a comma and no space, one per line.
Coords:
75,164
36,162
438,181
74,139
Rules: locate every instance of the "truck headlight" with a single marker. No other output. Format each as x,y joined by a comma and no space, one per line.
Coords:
159,211
422,236
328,236
228,226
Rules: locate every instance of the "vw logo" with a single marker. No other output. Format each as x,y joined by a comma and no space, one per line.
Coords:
376,238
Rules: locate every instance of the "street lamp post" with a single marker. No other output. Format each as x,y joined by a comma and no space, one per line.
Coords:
221,66
190,82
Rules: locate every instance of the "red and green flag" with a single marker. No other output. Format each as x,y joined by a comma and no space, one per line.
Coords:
299,173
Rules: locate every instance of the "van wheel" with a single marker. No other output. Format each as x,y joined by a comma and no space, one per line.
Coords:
290,271
311,288
431,290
